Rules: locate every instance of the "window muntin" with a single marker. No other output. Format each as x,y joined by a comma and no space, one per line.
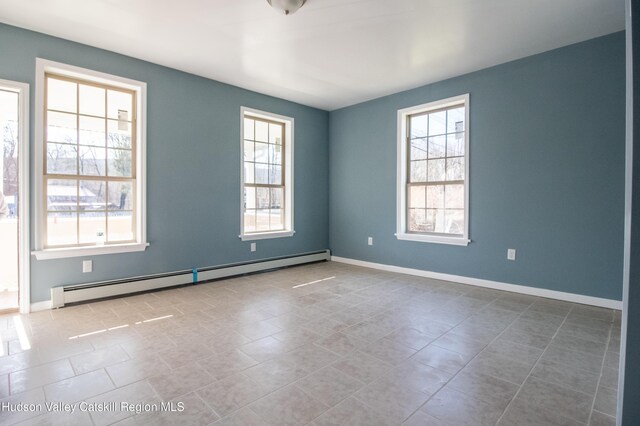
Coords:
89,167
433,191
266,188
436,172
264,175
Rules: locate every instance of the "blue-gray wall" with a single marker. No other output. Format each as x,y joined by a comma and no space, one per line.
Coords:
630,383
546,173
547,160
193,160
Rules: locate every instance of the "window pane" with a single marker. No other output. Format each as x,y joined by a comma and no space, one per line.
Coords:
62,127
454,196
262,220
93,227
418,171
437,123
262,198
275,175
249,176
275,154
437,161
92,161
93,195
454,220
92,100
262,153
435,196
249,197
119,105
119,135
250,220
248,129
417,220
455,145
262,131
62,194
417,196
62,95
275,133
419,149
120,162
120,226
455,168
262,173
435,220
62,159
418,126
437,146
92,131
121,196
62,228
276,195
248,151
455,120
435,170
276,220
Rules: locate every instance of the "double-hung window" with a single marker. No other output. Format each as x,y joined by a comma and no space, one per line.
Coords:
92,192
267,175
433,164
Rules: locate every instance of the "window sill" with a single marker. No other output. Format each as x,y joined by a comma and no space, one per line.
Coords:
436,239
88,251
266,235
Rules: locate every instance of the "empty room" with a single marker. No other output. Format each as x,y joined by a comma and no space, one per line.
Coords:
319,212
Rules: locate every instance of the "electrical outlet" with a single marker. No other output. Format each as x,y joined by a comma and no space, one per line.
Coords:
87,266
370,241
511,254
253,247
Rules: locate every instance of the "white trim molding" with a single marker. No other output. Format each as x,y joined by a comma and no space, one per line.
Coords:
44,66
88,251
402,172
514,288
41,306
24,279
628,212
289,129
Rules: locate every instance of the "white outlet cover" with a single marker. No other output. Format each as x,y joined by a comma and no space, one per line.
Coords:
87,266
370,241
253,246
511,254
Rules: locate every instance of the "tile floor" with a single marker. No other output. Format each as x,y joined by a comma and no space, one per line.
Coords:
323,344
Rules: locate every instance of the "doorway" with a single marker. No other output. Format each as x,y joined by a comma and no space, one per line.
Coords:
14,292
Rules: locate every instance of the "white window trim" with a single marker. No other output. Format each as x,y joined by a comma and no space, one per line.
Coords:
24,278
401,215
288,175
45,66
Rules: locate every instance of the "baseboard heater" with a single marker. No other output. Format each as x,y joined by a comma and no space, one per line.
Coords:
63,295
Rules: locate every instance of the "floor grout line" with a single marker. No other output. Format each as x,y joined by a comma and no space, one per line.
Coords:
248,297
604,358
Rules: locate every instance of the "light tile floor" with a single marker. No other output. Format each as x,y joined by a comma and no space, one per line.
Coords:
323,344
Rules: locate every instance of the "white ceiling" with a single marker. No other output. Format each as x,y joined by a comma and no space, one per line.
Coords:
331,53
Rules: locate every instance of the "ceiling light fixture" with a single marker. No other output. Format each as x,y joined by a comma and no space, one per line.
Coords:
288,7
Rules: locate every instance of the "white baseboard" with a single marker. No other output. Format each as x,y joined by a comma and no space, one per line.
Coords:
41,306
515,288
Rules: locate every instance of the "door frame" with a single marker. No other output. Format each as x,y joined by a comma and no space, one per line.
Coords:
24,252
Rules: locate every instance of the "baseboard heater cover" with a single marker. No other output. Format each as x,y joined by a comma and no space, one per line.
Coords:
83,292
